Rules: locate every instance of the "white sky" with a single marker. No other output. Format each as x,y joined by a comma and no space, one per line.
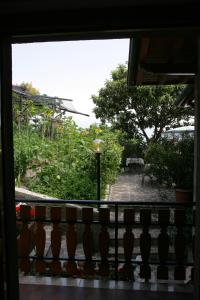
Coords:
74,70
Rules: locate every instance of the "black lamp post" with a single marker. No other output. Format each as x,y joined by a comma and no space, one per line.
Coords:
98,150
98,158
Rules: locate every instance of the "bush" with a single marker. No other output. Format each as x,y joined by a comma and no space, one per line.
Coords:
65,166
172,162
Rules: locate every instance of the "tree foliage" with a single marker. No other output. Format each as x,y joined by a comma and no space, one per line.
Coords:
141,109
29,88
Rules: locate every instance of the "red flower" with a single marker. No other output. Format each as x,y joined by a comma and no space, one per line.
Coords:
31,211
17,208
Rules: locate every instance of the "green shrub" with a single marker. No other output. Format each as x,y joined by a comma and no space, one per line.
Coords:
65,165
172,162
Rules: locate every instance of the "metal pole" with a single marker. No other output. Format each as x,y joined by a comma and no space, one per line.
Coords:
98,176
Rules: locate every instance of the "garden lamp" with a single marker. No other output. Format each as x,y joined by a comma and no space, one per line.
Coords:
98,145
98,150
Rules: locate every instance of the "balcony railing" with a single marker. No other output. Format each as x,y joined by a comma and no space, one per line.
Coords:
124,240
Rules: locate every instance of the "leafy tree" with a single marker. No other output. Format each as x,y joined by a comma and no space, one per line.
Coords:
143,108
29,88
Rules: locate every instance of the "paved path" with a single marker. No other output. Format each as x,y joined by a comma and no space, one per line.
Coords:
129,188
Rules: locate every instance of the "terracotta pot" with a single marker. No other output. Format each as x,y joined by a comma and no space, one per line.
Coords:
184,195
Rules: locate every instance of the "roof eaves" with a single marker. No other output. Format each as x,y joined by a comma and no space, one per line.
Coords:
133,62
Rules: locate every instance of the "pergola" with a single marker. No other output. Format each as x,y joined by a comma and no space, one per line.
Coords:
21,97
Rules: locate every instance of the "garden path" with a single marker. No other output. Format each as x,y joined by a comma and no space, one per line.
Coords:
128,187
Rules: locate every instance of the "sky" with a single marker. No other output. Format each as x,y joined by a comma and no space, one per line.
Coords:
74,69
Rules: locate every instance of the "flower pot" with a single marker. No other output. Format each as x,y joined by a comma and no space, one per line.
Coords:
184,195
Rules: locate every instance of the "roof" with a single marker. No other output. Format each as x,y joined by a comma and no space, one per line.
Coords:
39,100
162,60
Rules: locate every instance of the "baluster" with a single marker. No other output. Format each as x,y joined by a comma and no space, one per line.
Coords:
128,244
55,265
1,258
24,241
71,238
104,239
180,245
1,255
87,215
193,246
40,239
192,269
163,243
145,244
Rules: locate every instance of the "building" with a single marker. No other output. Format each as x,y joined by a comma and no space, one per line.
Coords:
179,132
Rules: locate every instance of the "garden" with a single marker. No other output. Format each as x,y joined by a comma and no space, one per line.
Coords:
54,157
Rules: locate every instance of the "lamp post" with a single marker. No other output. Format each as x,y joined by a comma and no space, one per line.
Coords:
98,151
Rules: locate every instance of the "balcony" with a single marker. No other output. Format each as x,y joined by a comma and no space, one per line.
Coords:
108,251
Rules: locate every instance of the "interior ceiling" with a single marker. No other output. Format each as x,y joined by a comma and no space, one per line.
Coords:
30,5
36,18
162,60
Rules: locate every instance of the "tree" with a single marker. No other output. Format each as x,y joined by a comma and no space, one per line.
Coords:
29,88
141,109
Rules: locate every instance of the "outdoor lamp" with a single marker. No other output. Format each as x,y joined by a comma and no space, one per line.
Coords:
98,145
98,150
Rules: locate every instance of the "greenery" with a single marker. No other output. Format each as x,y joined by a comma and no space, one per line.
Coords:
72,174
134,147
142,108
172,162
55,157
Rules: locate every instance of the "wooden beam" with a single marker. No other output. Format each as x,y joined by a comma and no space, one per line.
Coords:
176,48
133,61
180,69
144,49
197,181
7,183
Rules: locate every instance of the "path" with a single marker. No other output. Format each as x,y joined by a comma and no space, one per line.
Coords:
129,188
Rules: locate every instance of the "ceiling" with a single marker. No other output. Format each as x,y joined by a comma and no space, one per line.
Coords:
48,20
46,5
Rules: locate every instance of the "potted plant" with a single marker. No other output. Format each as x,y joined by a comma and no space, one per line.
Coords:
172,163
183,166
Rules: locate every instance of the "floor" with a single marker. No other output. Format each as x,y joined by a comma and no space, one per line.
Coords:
44,292
50,288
